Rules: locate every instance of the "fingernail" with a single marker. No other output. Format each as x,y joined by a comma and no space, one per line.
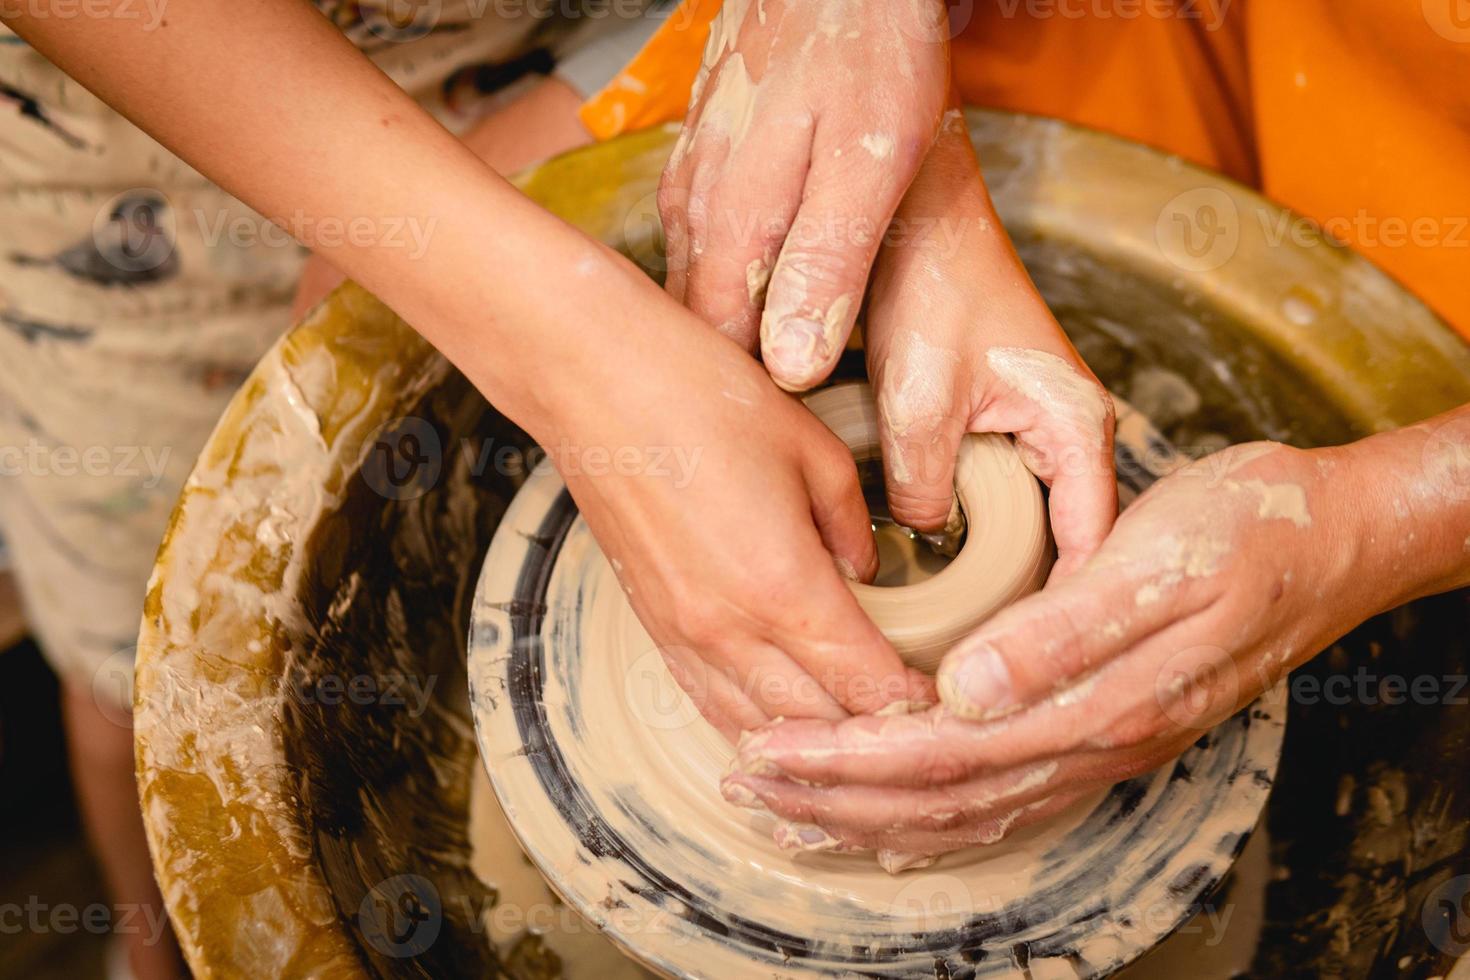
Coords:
946,541
751,741
795,348
791,836
977,685
954,524
742,796
895,861
748,759
757,765
845,569
905,707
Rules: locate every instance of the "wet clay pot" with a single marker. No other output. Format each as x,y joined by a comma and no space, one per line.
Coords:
304,750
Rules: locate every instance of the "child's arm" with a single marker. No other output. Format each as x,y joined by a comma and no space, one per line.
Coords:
566,337
274,104
537,125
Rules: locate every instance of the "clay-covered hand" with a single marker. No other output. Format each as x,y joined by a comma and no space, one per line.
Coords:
1215,583
726,509
806,125
958,340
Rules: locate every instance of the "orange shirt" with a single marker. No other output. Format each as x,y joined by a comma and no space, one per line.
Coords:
1355,113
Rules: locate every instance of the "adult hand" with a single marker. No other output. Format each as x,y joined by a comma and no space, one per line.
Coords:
1215,583
722,503
958,340
806,126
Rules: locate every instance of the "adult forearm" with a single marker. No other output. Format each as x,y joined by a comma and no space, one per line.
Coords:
1413,491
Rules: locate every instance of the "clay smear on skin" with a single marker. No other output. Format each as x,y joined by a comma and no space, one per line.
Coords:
724,30
723,33
1197,556
879,145
731,106
916,390
1278,501
800,351
1052,383
757,278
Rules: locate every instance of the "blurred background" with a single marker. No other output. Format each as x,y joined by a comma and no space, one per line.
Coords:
49,870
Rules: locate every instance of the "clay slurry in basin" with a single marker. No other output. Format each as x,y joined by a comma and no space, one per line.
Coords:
1006,552
610,778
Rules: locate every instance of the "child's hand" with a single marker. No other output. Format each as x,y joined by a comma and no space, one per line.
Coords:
722,503
806,127
958,341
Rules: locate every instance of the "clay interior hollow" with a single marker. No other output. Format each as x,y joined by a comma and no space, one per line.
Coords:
905,556
923,604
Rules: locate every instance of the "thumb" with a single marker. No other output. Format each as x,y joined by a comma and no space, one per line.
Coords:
1027,652
918,427
841,513
818,282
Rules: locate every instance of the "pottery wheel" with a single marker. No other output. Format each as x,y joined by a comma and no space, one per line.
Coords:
609,776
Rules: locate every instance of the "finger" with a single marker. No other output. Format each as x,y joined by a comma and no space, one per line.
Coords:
901,843
940,751
748,690
721,701
898,850
766,677
1028,651
745,215
827,633
817,621
840,511
853,810
1165,688
930,748
673,213
1063,421
918,426
1083,503
852,190
869,672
